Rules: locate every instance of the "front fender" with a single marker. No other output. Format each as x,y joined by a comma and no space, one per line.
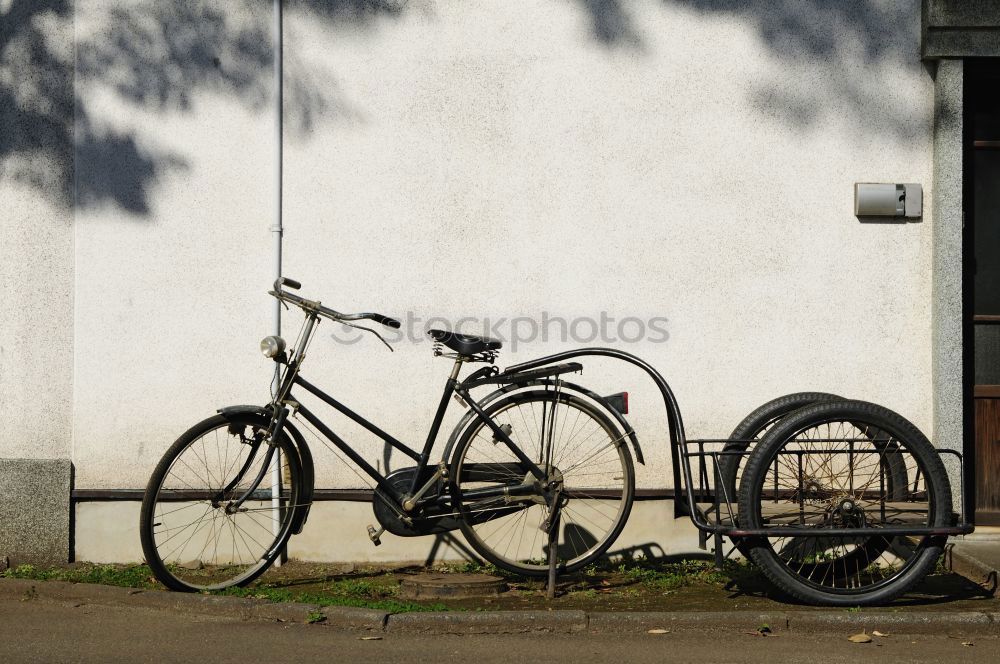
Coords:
305,460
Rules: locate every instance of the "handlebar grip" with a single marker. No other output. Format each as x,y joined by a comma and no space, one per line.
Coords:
385,320
285,281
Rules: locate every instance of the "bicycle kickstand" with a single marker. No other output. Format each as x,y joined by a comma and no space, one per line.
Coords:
550,590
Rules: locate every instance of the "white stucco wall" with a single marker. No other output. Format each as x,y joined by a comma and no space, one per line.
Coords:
492,160
106,532
492,163
170,267
36,238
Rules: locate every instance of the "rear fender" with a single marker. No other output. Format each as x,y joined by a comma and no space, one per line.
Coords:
506,389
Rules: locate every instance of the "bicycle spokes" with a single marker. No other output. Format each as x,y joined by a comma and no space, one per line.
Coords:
200,531
588,482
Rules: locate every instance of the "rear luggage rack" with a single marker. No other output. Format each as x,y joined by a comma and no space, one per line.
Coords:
513,376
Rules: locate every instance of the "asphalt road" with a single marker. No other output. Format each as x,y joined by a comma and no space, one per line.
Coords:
49,631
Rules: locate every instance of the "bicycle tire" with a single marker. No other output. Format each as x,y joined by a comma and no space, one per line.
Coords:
171,567
575,550
878,585
751,429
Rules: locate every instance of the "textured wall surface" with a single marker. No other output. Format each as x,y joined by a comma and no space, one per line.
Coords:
36,230
172,249
684,160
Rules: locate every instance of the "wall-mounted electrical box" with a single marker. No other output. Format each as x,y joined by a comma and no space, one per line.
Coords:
888,200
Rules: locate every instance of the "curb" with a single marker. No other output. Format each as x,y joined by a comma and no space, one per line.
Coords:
805,622
354,618
506,622
488,622
961,560
910,622
240,608
626,622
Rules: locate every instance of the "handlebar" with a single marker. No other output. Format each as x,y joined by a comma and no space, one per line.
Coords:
285,281
326,312
385,320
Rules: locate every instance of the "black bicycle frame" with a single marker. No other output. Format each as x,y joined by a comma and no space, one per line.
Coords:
452,387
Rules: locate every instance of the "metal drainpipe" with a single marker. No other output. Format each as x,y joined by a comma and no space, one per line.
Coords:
276,232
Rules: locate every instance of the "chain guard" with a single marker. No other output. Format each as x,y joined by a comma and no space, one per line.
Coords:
436,519
427,523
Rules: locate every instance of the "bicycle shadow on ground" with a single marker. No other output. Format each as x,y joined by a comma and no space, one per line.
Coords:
747,582
936,589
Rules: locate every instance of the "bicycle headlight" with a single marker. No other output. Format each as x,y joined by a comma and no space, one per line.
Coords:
272,346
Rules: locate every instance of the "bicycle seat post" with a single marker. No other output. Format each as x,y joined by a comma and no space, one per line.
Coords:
456,368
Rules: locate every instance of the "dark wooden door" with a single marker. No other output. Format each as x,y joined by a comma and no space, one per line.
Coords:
983,106
987,460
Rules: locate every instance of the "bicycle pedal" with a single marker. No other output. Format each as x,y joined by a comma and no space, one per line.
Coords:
375,535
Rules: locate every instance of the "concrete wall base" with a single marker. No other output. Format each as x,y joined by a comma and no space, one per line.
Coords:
35,510
108,532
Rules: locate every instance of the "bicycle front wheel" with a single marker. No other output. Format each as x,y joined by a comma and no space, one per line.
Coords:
193,535
578,448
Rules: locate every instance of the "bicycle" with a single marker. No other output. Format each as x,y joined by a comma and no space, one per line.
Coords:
838,502
540,469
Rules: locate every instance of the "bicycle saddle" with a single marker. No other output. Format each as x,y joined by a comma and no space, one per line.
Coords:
464,344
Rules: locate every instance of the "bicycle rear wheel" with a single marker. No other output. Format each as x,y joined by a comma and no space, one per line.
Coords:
191,541
828,466
578,447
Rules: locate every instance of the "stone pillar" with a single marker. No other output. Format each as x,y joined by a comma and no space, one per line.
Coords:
35,510
947,263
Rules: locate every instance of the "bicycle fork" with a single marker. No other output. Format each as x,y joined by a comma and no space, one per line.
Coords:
271,438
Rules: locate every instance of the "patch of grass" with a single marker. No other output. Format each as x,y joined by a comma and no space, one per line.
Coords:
315,617
130,576
371,593
670,576
589,593
472,567
277,594
371,588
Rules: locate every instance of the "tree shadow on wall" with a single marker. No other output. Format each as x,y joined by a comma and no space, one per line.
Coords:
791,28
155,55
612,24
847,43
161,56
